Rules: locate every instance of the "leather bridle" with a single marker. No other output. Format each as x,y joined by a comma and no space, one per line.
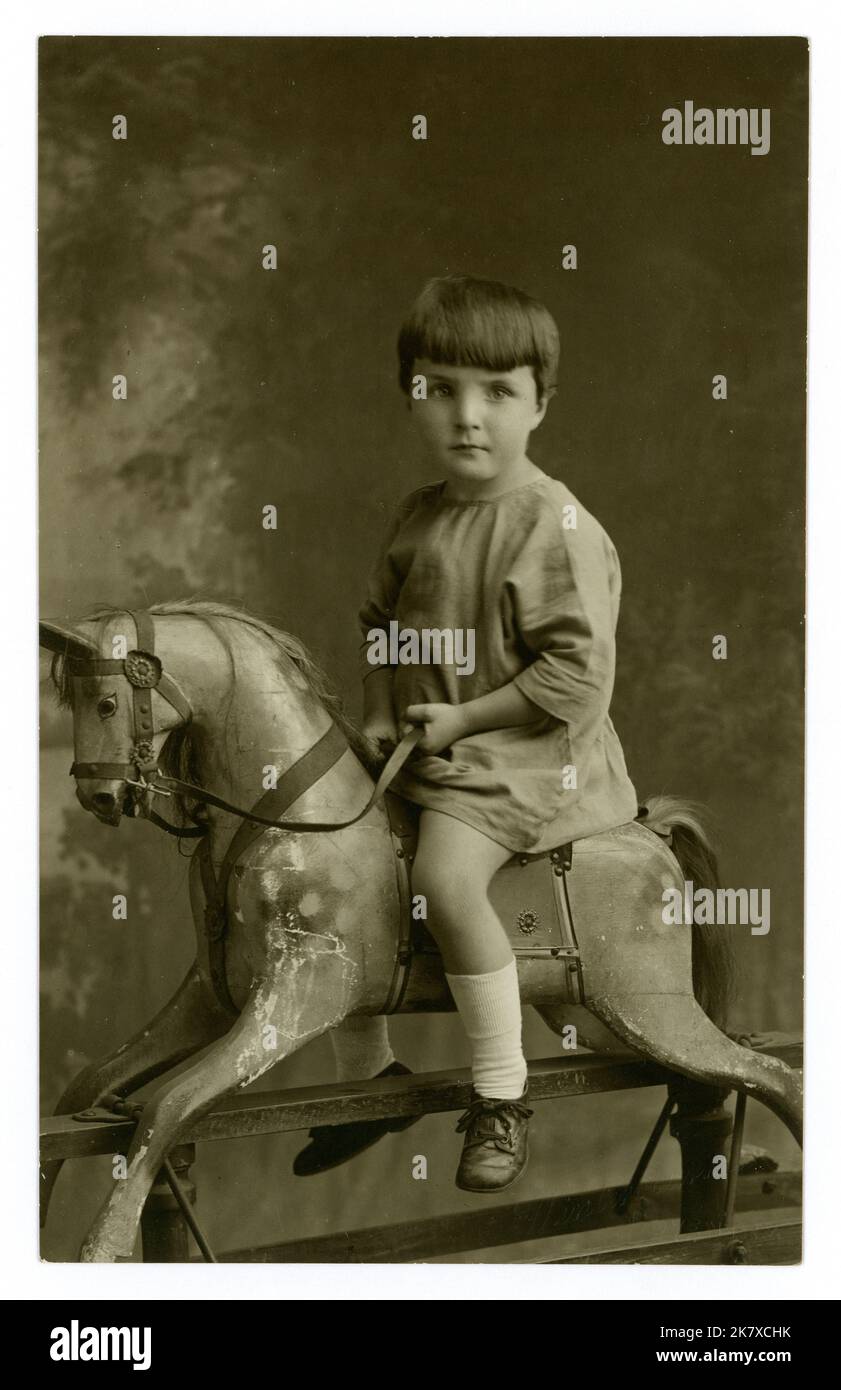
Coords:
144,672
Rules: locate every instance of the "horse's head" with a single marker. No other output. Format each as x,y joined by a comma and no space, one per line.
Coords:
124,707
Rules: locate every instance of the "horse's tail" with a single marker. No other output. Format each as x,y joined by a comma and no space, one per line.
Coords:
713,962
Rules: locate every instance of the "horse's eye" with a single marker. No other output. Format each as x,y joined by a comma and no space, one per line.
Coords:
107,706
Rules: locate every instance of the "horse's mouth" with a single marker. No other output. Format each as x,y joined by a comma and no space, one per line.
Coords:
134,803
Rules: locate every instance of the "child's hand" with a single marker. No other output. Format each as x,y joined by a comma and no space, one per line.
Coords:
443,724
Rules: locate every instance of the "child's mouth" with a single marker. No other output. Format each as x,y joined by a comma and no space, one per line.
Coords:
469,448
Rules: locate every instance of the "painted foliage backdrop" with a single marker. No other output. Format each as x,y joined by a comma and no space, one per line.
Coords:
248,387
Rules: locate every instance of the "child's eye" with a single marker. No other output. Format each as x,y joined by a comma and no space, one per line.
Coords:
499,392
440,389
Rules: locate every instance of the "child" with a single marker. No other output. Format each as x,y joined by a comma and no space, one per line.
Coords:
518,753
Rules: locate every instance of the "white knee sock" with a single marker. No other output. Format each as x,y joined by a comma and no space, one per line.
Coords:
361,1048
490,1010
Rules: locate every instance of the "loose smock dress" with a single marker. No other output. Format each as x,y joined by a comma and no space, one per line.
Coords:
542,596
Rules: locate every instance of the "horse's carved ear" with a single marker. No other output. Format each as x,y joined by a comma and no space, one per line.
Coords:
65,641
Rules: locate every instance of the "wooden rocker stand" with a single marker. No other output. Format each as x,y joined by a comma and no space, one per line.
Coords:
714,1211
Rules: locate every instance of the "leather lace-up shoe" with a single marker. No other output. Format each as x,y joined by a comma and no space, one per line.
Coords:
332,1145
496,1144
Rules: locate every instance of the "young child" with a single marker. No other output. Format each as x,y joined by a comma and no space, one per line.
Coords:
518,753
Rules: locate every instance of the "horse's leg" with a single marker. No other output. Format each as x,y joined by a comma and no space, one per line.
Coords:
674,1030
292,1004
189,1021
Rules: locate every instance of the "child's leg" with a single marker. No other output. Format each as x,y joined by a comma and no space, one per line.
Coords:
453,867
361,1048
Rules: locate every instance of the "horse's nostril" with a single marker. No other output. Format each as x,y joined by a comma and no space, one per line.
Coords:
104,801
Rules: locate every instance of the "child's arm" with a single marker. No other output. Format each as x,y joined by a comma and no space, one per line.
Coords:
499,709
565,601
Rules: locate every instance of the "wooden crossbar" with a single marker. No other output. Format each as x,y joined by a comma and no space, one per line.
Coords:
277,1112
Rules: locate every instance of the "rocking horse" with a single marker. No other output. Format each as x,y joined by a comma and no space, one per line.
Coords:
303,922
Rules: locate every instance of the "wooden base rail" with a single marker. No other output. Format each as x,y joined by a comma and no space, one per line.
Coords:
541,1219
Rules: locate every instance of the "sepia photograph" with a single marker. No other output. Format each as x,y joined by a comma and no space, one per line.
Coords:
422,556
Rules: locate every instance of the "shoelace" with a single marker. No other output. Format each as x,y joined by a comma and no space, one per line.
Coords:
486,1108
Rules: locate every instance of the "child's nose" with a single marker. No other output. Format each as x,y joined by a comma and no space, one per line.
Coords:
468,410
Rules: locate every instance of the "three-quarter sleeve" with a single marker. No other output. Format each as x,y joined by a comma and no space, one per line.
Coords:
383,586
564,592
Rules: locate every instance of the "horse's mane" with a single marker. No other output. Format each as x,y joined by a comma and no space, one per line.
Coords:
178,758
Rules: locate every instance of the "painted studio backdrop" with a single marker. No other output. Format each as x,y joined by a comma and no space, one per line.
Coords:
249,387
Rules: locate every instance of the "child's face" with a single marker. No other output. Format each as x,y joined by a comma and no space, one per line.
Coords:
476,423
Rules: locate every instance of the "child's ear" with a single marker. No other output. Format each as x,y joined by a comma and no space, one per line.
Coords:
543,403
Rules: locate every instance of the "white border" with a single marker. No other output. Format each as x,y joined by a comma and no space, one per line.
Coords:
23,1276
